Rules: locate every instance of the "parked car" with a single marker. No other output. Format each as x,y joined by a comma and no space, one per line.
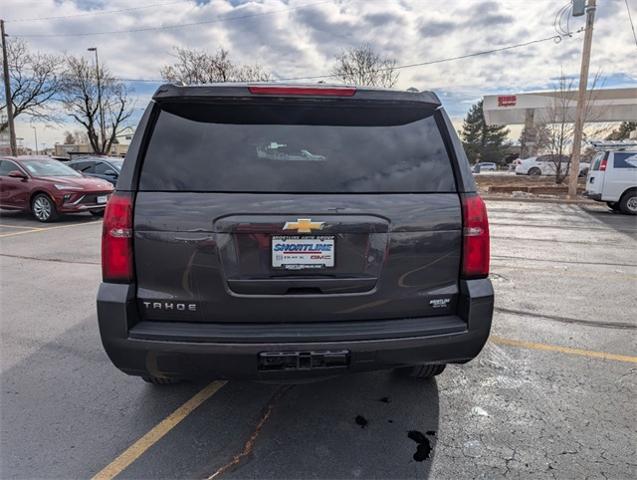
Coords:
47,187
546,165
106,168
222,261
484,167
613,179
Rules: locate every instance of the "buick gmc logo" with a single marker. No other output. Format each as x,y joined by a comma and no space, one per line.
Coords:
169,306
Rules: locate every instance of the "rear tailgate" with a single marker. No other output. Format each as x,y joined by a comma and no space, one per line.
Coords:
293,210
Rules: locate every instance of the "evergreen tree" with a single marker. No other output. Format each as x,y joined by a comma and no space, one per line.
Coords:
623,132
482,142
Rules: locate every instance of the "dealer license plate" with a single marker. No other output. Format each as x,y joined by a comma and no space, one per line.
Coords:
299,252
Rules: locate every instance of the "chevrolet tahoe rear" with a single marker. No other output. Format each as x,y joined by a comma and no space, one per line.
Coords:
281,232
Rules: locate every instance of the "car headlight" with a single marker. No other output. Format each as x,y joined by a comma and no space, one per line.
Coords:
60,186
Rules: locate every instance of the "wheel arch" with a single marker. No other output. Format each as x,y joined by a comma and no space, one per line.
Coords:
37,192
629,189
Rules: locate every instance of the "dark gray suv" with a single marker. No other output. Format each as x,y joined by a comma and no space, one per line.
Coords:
280,232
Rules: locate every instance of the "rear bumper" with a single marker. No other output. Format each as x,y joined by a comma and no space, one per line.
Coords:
170,349
593,196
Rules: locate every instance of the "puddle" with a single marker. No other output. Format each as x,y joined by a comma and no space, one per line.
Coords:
423,450
361,421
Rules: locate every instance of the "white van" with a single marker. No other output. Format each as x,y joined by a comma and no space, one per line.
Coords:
613,179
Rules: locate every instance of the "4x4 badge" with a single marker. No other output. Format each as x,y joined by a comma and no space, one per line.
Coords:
303,225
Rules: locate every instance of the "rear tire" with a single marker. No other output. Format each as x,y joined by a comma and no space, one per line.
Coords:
43,208
535,172
420,371
161,381
628,202
613,206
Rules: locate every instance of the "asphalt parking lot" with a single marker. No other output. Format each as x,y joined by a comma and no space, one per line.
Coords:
552,395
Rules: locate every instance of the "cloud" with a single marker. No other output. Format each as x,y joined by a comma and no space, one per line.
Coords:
436,28
384,19
296,38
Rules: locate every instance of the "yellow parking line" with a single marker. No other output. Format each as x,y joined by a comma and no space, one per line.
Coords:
567,350
34,230
18,226
155,434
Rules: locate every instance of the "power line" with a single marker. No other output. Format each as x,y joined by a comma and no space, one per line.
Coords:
167,27
555,38
101,12
561,20
632,26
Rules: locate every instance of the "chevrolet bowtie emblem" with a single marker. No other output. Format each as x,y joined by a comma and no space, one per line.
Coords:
303,225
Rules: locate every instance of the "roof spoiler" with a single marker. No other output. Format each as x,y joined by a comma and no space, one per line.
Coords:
170,92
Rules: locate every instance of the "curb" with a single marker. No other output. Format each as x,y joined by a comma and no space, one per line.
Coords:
567,201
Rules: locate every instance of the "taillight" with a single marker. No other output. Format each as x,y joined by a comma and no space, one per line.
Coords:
602,165
475,251
117,239
293,90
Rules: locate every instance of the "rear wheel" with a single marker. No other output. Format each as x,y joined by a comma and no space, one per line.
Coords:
160,381
535,172
420,371
628,202
43,208
613,206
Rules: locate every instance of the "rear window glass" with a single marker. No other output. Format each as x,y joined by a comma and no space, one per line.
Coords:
624,160
282,148
597,160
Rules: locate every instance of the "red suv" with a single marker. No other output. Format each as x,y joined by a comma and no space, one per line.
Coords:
47,187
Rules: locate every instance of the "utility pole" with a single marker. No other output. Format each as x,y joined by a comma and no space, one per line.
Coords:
99,99
7,91
35,132
581,99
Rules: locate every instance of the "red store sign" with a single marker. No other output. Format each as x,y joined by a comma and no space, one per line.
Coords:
507,100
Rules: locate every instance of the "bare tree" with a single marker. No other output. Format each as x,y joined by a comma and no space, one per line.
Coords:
69,138
363,66
198,66
559,125
79,96
34,81
80,137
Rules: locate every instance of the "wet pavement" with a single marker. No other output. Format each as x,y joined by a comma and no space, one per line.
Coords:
551,395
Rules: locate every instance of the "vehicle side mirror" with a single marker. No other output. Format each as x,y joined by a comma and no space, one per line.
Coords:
110,173
17,174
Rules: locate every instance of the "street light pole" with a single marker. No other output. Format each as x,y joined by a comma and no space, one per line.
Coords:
581,99
7,91
99,98
35,132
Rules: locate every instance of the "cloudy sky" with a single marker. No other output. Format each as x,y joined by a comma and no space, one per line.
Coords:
300,38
